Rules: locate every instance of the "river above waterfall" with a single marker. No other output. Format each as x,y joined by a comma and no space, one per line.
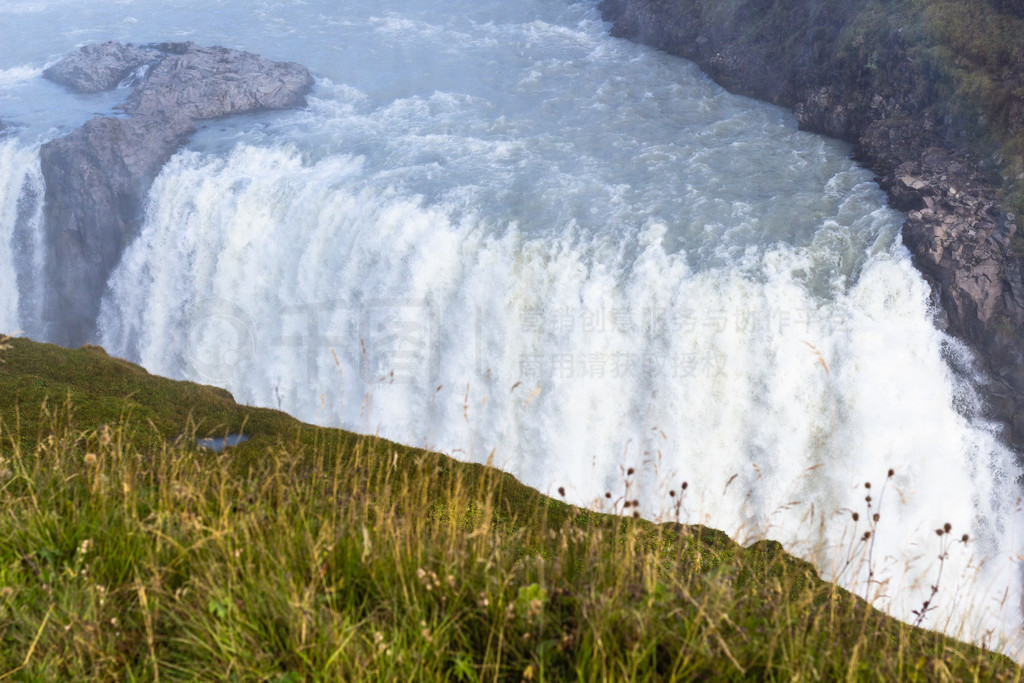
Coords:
498,232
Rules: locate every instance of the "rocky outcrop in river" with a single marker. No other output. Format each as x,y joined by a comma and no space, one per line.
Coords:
97,177
95,68
877,83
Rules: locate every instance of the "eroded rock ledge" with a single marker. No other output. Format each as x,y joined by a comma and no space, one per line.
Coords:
97,177
874,87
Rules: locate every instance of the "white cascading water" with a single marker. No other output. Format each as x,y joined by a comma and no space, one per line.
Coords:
10,190
21,191
498,232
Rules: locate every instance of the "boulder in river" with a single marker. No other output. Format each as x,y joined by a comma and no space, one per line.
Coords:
97,177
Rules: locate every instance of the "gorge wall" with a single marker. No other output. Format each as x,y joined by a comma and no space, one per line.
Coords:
97,177
878,77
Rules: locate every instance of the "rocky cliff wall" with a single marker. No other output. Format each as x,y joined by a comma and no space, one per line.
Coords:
97,176
874,74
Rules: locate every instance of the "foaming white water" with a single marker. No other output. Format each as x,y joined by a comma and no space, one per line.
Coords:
569,357
21,191
18,75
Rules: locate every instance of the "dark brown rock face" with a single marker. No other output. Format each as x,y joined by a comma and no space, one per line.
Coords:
874,87
97,177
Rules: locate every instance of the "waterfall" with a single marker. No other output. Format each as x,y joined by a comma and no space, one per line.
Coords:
21,247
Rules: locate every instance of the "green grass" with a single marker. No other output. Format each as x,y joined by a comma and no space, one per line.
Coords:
964,61
983,50
315,554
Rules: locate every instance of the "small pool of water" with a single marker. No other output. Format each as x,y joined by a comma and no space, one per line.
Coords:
219,443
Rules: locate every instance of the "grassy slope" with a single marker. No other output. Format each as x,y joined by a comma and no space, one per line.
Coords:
983,49
970,54
310,553
967,61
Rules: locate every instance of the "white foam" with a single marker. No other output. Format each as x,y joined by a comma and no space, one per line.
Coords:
29,7
18,75
20,211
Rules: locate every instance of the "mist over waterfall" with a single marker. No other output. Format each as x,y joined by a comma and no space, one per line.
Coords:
498,232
